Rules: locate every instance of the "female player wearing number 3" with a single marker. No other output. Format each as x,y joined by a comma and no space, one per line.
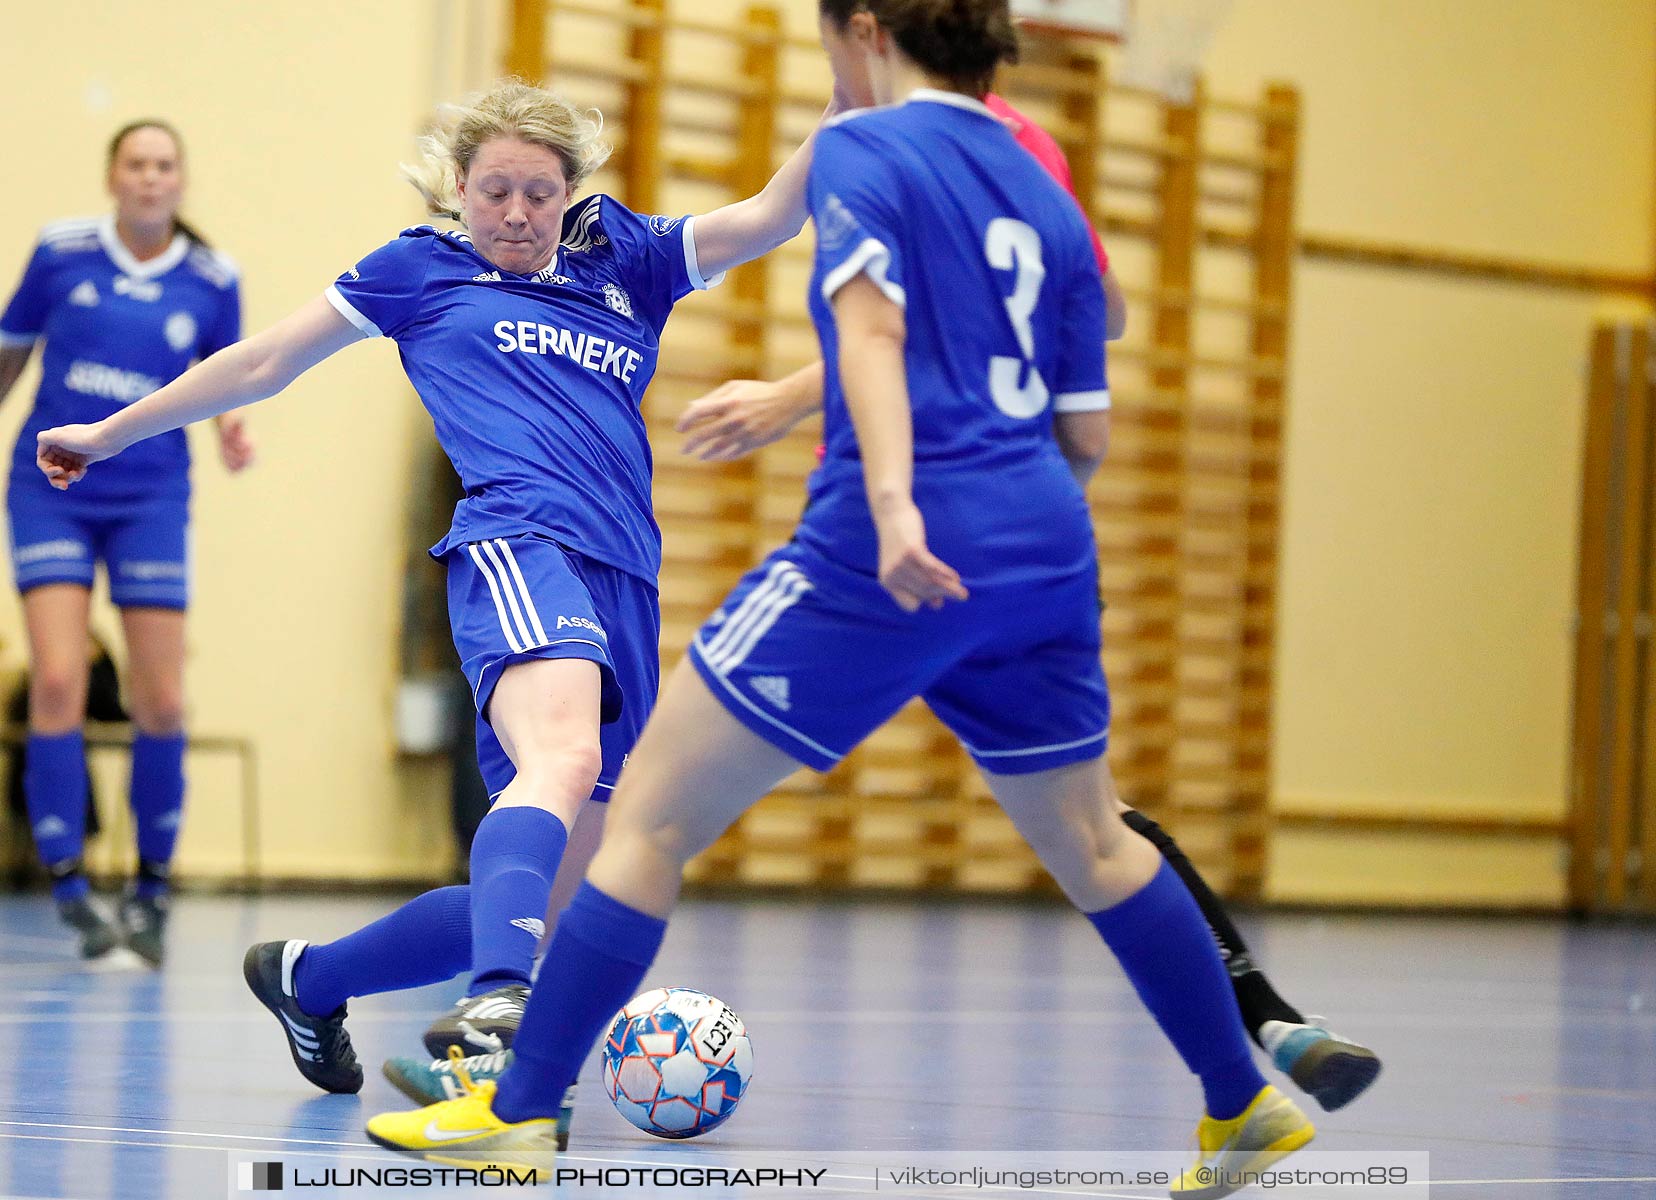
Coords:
946,552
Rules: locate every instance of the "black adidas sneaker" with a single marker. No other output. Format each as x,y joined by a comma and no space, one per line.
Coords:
481,1024
320,1046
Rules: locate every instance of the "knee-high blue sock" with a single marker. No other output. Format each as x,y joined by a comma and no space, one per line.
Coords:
157,806
514,858
425,941
55,789
595,963
1167,951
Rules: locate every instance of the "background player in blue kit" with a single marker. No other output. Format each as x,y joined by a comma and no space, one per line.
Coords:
531,339
123,303
961,316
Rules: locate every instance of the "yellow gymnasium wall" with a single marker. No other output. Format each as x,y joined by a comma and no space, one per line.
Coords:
1435,423
1433,441
295,116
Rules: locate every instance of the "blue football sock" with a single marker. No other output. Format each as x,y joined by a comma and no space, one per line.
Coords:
1167,951
55,790
594,966
157,806
425,941
514,858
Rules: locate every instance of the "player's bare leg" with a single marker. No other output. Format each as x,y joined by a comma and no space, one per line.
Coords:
695,770
546,714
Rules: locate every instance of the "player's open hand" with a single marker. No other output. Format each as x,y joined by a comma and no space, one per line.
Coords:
908,570
235,444
64,453
737,418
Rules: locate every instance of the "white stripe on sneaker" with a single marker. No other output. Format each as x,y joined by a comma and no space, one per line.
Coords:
523,590
500,607
299,1033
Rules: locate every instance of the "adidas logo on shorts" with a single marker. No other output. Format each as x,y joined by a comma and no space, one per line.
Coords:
531,926
773,688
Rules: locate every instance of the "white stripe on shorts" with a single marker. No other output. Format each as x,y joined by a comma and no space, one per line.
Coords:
500,606
523,589
744,612
785,591
493,555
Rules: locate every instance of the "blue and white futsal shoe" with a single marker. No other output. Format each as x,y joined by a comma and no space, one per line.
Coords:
1332,1070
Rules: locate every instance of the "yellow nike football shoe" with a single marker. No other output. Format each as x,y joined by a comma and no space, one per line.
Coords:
1265,1132
465,1132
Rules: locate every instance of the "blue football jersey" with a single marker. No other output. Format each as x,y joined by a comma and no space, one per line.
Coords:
534,381
992,264
116,329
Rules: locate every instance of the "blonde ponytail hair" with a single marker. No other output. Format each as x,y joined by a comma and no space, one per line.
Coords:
511,109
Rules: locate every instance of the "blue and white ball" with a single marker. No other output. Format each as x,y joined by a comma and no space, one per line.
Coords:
677,1062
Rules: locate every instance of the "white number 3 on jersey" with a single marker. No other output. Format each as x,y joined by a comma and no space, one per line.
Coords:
1015,384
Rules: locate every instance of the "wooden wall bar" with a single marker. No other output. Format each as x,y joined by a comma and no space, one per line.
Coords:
1187,508
1613,753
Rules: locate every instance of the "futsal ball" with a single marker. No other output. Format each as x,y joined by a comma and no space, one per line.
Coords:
677,1062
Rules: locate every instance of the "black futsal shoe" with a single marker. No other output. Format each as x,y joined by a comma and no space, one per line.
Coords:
320,1046
481,1024
99,936
144,926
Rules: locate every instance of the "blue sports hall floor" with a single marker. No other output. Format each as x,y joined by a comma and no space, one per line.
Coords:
1520,1053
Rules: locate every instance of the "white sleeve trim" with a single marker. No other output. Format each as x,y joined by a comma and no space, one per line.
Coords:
692,264
1082,401
349,311
873,257
10,341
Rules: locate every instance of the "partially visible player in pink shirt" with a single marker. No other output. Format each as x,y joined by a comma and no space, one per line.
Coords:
1050,155
738,417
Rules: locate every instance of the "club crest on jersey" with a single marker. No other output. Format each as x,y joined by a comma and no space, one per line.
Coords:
834,223
85,295
662,226
180,331
618,300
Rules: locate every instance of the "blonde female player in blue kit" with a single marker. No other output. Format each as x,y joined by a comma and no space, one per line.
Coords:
946,551
530,339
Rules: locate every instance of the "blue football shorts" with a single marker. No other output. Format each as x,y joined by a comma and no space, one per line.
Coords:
813,657
144,547
526,597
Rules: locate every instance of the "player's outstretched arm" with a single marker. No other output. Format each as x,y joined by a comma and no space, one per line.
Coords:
748,229
739,417
872,333
248,371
